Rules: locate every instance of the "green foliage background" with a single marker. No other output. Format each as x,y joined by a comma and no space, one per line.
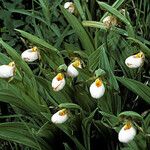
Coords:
61,36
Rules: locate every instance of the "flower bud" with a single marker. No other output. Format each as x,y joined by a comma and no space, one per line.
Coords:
135,61
70,7
110,21
58,82
60,117
30,55
97,89
7,71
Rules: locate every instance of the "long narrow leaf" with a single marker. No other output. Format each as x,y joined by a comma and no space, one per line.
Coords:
143,47
116,5
17,132
80,31
137,87
37,40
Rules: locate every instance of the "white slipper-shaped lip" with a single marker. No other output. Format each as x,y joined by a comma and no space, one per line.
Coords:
127,133
135,61
30,55
97,89
72,71
7,71
58,82
60,117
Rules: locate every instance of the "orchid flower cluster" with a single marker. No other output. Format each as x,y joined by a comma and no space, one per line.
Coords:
59,82
96,89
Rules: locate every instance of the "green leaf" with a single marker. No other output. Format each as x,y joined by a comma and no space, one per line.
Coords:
116,5
26,104
99,72
45,9
86,128
100,25
114,12
94,24
45,131
68,131
24,12
54,97
112,120
37,41
143,47
62,67
137,87
94,59
82,98
4,59
17,132
67,147
120,54
69,106
105,65
80,31
118,15
99,59
132,114
16,94
80,9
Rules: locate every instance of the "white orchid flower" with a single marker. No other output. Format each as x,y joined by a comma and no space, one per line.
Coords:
70,7
30,55
97,89
71,70
7,71
135,61
110,21
127,133
58,82
60,117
